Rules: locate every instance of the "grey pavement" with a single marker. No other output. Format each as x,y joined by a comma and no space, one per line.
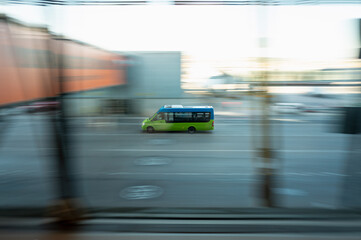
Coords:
117,165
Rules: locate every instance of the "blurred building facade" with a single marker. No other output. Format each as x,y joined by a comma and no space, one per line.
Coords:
38,65
154,79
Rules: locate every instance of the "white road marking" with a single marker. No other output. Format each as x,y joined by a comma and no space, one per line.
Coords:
141,192
315,174
175,134
216,124
246,176
333,174
213,150
181,174
105,124
281,124
176,150
152,161
287,120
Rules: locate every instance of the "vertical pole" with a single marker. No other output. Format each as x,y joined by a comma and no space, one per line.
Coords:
66,210
351,190
265,151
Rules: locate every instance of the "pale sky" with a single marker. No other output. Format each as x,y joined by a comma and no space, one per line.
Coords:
301,32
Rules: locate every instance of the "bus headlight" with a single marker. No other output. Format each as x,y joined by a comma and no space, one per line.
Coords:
143,124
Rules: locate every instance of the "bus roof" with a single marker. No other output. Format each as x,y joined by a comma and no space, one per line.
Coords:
181,106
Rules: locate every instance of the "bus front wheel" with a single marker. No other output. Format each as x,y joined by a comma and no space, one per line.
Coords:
150,130
191,130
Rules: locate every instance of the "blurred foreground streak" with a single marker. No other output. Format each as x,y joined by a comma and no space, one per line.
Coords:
37,70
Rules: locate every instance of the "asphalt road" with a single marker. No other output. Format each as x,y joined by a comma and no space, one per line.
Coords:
117,165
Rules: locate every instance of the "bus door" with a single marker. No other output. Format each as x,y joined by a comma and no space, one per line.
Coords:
169,119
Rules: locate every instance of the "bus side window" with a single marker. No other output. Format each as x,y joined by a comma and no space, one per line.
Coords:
169,117
207,117
183,117
160,116
194,117
198,117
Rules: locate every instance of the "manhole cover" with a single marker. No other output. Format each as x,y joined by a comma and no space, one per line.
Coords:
141,192
288,191
161,141
152,161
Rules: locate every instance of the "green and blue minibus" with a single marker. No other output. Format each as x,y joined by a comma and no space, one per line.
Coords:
180,118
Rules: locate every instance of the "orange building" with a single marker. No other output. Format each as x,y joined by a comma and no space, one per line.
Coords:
33,63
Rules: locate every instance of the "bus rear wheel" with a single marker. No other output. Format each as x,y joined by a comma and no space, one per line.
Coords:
191,130
150,130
